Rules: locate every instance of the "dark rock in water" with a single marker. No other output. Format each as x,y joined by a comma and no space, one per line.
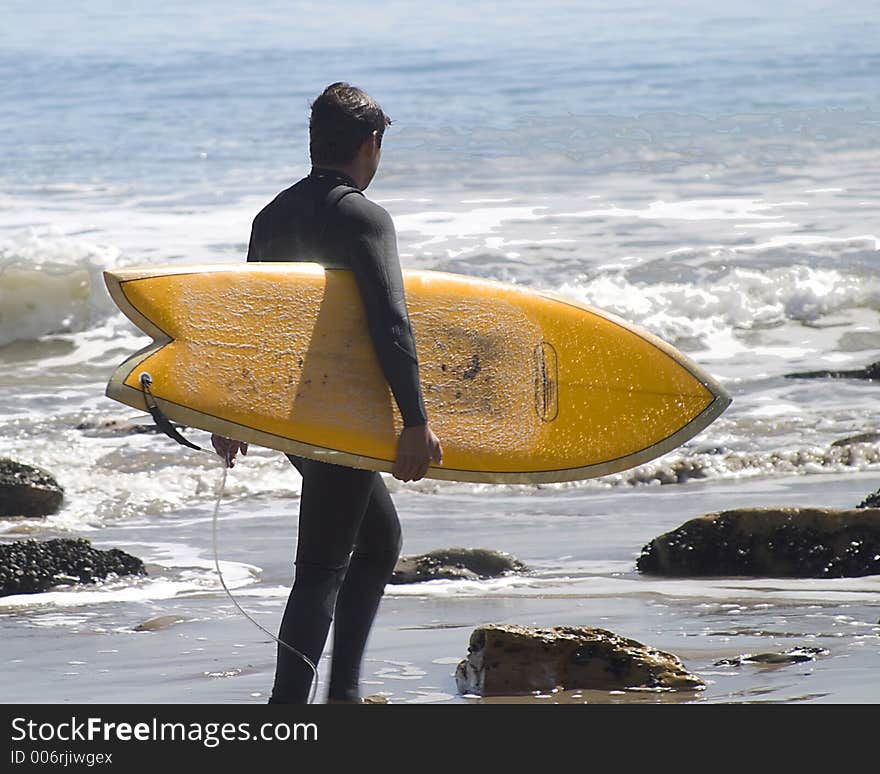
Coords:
32,566
27,491
115,426
770,542
790,656
861,438
455,564
871,372
510,660
871,501
155,624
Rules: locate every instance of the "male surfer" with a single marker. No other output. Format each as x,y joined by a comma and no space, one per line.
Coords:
349,533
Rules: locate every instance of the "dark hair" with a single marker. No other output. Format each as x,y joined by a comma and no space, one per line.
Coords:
343,117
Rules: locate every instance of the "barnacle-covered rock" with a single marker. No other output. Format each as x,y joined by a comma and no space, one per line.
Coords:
32,566
770,542
455,563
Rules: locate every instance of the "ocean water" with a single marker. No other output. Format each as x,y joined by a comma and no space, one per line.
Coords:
710,174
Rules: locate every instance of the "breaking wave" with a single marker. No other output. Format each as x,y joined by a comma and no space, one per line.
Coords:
739,299
51,285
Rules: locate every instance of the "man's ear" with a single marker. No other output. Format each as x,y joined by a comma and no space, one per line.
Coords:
370,145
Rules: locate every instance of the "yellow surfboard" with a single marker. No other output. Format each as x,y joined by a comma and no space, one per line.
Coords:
521,386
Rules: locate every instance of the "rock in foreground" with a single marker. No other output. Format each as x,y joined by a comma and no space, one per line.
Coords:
455,564
510,660
770,542
32,566
27,491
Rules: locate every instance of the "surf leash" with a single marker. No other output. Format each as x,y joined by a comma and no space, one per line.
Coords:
163,423
241,610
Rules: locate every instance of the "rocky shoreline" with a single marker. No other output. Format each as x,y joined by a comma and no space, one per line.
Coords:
514,659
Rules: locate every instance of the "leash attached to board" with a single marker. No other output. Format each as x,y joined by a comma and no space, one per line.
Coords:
159,418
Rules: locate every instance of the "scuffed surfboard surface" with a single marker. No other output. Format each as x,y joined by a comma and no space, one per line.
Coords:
520,386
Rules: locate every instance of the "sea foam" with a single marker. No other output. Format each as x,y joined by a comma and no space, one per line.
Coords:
741,298
51,284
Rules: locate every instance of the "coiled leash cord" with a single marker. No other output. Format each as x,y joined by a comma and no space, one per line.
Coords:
166,427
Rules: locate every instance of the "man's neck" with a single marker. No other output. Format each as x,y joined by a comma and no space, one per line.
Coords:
348,170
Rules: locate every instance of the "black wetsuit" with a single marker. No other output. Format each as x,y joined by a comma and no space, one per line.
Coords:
349,534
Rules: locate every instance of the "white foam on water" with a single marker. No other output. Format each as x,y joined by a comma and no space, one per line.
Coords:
52,284
740,299
701,460
728,208
105,345
175,570
436,226
591,586
109,479
140,591
681,466
520,585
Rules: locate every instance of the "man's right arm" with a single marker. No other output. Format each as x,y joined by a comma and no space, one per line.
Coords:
371,243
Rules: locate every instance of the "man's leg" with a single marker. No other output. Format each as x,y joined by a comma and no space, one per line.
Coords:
372,563
333,502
